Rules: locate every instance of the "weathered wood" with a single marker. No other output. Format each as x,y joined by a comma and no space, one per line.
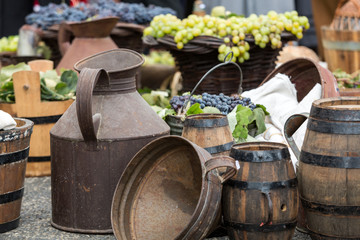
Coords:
14,151
209,131
247,210
329,173
341,49
29,105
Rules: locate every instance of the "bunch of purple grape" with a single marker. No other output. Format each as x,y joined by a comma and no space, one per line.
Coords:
126,12
222,102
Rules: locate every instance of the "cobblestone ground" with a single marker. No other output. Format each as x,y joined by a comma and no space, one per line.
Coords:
36,214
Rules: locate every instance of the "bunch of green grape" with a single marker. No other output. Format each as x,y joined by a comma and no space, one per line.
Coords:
264,29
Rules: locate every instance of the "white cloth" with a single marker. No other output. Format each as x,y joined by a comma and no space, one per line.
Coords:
278,95
6,121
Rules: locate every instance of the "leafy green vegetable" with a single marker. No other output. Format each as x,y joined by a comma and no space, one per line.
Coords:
68,83
194,109
159,98
258,116
242,118
211,110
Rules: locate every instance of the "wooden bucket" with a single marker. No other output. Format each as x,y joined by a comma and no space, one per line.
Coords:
44,114
261,200
14,150
329,167
209,131
170,190
176,124
341,49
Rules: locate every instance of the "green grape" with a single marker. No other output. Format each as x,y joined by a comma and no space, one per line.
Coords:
235,39
246,56
222,48
180,45
226,40
236,51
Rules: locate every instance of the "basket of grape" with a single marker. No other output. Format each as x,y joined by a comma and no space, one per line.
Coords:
199,43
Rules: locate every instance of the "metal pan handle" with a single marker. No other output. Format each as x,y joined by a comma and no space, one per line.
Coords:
222,161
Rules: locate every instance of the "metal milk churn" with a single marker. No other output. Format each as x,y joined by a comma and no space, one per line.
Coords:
94,140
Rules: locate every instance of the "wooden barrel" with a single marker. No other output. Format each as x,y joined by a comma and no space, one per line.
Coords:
261,200
44,114
341,49
14,150
329,169
209,131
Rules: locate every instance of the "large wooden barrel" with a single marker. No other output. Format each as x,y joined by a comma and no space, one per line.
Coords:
209,131
261,200
329,169
341,49
14,150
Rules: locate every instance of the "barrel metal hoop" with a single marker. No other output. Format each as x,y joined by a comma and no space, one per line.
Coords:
39,159
259,228
341,45
317,236
262,186
329,161
14,156
346,128
11,196
331,209
5,227
44,120
206,123
335,115
220,148
260,156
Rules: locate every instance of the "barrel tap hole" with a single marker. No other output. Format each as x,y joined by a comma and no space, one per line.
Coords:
283,207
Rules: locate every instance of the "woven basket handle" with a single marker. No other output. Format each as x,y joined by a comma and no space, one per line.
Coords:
211,70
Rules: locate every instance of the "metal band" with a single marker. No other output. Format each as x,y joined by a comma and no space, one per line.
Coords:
219,148
44,120
346,128
341,45
262,186
260,156
14,156
329,161
206,123
11,196
317,236
39,159
335,115
5,227
331,209
259,228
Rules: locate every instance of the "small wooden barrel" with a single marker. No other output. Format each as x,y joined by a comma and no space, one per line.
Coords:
341,49
14,150
261,200
176,124
329,170
209,131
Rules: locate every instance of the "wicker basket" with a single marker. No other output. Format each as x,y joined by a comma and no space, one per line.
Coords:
201,54
128,35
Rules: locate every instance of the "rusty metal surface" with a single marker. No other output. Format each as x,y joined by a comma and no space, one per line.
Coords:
166,192
91,37
94,140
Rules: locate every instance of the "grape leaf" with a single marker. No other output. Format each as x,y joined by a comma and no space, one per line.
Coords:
242,117
194,109
263,108
211,110
258,117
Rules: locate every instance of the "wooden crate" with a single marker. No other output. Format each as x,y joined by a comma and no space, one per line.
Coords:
44,114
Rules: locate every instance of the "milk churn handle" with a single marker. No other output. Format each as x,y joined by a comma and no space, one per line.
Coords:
291,125
226,62
222,161
88,123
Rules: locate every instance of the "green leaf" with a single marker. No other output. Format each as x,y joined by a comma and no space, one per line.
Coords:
263,108
211,110
242,118
194,109
61,88
258,116
8,86
70,78
148,98
144,90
